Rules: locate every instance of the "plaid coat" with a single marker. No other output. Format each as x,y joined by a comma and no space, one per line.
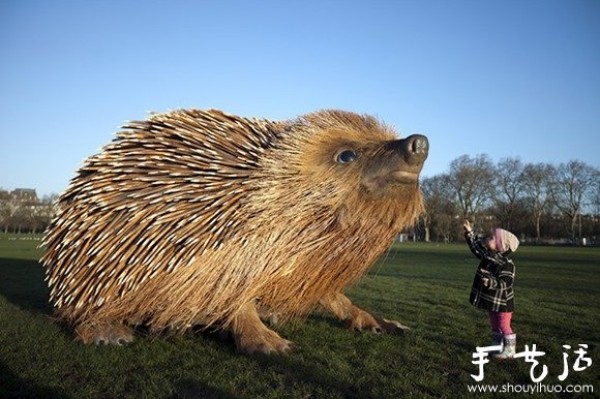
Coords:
499,295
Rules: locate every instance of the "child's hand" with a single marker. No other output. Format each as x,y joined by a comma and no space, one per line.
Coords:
485,281
467,226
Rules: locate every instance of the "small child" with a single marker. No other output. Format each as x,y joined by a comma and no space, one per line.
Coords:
493,284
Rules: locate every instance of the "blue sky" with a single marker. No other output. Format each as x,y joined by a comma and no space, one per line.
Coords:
505,78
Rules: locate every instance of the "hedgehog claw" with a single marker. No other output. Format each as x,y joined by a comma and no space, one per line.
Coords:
392,326
123,341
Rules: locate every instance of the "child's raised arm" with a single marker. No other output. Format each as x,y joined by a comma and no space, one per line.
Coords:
474,244
467,226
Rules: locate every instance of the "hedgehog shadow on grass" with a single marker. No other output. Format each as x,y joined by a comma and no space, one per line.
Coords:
14,386
22,284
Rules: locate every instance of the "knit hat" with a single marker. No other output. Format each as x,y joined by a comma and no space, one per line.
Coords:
505,240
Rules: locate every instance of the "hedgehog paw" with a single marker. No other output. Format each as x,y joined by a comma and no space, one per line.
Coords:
104,334
358,319
363,321
267,342
252,336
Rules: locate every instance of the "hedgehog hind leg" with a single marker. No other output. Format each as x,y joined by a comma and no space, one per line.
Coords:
103,333
252,336
357,318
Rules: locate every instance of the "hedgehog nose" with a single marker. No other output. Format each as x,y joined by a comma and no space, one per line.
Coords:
414,149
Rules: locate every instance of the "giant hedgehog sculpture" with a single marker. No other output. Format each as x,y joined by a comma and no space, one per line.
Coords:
204,218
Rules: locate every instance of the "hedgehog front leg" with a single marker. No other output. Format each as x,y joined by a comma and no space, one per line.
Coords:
358,319
252,336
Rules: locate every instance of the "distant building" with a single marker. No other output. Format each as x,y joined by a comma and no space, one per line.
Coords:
21,211
24,195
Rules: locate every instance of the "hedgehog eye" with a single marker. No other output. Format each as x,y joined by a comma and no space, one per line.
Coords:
346,156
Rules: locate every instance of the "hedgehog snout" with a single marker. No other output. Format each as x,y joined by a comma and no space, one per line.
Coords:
397,163
408,157
413,149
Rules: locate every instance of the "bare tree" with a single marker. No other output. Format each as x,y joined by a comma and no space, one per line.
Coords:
569,188
427,215
471,181
20,218
5,210
439,207
595,201
46,210
536,183
508,181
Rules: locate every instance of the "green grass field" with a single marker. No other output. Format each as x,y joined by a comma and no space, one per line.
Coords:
426,286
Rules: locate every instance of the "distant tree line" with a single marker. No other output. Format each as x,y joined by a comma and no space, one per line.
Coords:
21,211
542,203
